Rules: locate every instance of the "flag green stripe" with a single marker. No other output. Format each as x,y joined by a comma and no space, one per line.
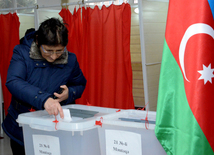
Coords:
176,127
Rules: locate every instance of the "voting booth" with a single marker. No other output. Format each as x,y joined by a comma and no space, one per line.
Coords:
129,132
45,134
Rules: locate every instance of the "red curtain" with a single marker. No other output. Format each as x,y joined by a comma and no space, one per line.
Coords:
74,26
101,40
9,30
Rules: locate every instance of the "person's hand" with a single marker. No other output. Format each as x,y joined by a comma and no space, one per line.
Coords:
53,107
64,95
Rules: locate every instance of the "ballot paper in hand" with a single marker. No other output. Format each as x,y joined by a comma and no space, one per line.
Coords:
67,116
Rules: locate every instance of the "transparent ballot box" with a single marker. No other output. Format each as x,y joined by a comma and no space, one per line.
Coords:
129,132
47,134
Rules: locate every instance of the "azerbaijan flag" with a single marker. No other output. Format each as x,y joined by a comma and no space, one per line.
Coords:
185,110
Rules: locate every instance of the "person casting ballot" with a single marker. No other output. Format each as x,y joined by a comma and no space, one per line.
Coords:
39,67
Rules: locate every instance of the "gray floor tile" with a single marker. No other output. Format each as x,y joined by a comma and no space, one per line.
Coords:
5,145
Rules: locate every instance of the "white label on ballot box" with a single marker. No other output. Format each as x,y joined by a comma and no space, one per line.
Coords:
122,143
46,145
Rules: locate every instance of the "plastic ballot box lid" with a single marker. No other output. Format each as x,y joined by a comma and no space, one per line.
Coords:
131,118
82,118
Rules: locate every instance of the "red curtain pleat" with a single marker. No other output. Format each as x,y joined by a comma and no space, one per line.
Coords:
73,24
9,30
104,55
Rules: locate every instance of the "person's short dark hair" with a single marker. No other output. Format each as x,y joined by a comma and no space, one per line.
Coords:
52,32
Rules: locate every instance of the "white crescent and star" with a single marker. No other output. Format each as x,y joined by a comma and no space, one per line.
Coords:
193,30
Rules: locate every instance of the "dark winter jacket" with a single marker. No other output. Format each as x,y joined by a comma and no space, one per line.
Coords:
32,80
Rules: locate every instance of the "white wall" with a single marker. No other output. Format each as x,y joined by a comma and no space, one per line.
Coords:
26,22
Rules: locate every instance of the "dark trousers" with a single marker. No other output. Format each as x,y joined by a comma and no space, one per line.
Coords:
17,149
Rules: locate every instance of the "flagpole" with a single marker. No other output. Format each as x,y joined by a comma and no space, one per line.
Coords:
143,55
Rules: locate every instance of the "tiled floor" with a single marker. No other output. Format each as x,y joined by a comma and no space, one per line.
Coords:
5,145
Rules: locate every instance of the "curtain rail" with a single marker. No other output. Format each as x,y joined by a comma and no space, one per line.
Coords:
59,5
20,8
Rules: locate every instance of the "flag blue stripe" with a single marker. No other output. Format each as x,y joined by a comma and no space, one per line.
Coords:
211,3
